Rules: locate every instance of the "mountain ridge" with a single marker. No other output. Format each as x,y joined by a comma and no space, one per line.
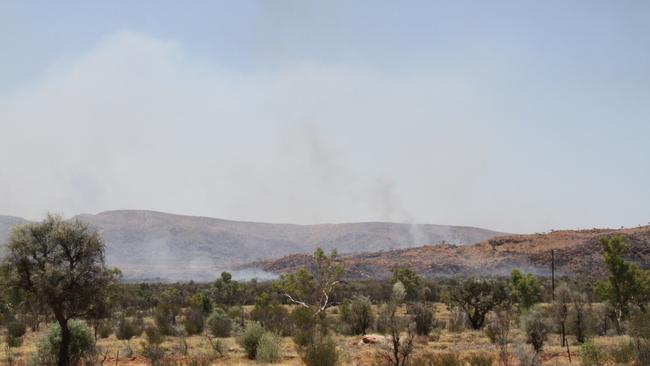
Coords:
157,245
576,252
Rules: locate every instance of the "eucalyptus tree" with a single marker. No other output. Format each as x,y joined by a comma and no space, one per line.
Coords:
61,264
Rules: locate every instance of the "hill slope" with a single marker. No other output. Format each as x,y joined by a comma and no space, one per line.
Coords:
147,244
576,252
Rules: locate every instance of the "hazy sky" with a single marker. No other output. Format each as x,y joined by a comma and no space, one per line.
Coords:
513,115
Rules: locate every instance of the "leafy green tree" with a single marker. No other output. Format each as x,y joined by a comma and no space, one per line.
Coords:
225,290
219,323
60,263
409,279
201,300
313,290
476,297
271,314
524,290
627,284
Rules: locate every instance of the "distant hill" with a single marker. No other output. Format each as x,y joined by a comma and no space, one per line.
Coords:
576,252
156,245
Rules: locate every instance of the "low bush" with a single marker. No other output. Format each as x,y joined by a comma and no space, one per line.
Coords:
15,331
104,329
304,324
127,328
219,323
81,344
151,346
268,348
423,318
320,351
194,321
250,337
359,314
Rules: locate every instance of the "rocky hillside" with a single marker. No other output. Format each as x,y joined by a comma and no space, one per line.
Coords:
575,252
150,245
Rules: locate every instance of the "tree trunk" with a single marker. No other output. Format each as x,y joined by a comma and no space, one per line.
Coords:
64,357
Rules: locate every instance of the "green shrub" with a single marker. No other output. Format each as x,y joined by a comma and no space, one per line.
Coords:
268,348
304,323
423,318
359,314
81,344
194,321
164,319
13,341
271,314
16,329
249,338
536,328
104,329
127,328
219,323
151,347
319,351
590,355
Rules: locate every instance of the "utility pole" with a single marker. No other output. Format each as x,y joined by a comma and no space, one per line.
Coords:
553,274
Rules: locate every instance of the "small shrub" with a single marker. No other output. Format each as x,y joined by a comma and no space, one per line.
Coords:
271,314
194,321
219,324
16,329
590,355
480,359
359,314
151,347
127,328
423,318
250,337
320,351
304,324
268,348
104,329
164,319
536,328
13,341
81,344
